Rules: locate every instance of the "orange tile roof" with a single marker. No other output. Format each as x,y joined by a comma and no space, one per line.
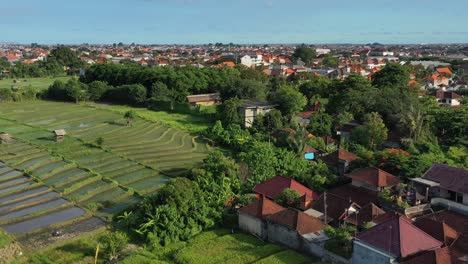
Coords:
261,208
444,70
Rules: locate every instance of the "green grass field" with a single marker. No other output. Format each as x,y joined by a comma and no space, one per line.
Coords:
220,246
41,83
4,239
61,182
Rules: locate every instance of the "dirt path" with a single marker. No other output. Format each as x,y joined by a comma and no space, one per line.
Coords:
10,253
45,239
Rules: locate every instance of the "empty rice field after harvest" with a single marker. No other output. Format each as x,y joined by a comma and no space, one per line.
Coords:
98,168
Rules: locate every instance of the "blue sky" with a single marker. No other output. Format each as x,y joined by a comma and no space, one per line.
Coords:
238,21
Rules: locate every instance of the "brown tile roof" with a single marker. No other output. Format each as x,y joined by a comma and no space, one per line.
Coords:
367,213
340,155
297,220
455,220
438,230
443,255
261,208
451,178
374,176
399,237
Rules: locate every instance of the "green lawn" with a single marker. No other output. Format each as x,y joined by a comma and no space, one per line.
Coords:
185,122
220,246
41,83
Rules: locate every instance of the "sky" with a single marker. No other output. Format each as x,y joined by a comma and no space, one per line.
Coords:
236,21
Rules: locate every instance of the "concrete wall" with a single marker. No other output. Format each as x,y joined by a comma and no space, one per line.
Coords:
282,235
290,238
252,225
365,254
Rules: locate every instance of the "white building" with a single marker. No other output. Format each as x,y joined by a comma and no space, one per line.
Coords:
252,60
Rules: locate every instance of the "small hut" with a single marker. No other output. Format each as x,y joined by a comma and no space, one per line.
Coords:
4,137
59,134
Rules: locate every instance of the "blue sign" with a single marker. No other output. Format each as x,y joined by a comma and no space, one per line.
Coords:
309,156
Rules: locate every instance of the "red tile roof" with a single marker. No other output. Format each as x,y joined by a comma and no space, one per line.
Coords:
274,186
374,176
399,237
261,208
340,155
297,220
438,230
455,220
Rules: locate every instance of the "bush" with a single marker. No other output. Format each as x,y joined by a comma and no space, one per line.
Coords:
113,243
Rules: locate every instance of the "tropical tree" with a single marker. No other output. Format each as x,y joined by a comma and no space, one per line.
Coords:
288,198
130,116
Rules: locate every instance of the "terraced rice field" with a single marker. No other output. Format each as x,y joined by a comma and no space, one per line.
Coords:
46,182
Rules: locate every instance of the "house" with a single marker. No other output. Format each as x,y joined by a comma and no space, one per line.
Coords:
368,214
297,230
392,241
444,182
249,110
60,132
338,203
339,160
204,99
289,227
252,60
373,179
273,187
447,98
252,217
437,80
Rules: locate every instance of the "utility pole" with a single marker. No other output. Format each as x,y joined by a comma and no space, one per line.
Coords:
325,206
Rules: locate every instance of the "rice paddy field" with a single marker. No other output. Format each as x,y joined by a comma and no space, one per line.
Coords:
47,182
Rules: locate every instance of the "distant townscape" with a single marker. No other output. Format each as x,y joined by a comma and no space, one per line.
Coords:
227,153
